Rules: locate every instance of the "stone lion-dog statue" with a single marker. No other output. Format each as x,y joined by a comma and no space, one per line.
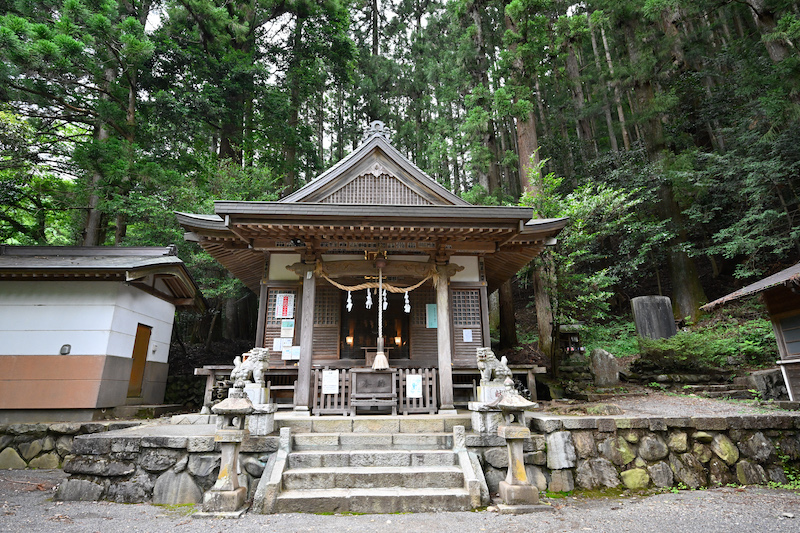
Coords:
252,368
490,368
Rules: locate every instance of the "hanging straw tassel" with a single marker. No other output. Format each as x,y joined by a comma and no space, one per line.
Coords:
407,306
349,302
369,299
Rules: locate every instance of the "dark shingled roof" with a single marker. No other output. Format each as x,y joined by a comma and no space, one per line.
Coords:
791,274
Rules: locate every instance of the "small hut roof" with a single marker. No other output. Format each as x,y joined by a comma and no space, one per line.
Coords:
140,266
785,277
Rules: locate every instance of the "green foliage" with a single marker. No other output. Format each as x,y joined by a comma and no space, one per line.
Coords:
714,345
601,218
616,337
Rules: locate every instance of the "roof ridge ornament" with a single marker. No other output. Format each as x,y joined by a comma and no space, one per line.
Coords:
377,127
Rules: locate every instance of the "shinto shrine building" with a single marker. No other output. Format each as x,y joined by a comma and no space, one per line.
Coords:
314,256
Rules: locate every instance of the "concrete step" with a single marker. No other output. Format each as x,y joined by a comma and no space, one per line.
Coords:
410,477
382,500
371,458
365,441
374,424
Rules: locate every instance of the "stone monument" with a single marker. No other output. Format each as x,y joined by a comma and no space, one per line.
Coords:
653,317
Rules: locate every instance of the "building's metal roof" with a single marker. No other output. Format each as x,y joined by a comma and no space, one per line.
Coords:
103,263
784,277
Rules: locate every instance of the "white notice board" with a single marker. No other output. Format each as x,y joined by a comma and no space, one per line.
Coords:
330,382
414,386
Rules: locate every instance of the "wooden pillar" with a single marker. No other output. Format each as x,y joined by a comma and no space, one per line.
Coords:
302,392
444,336
262,314
484,297
261,322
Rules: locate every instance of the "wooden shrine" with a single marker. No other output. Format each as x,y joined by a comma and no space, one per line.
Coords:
316,258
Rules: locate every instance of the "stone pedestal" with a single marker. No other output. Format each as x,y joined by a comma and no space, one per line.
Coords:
257,393
262,420
485,420
490,391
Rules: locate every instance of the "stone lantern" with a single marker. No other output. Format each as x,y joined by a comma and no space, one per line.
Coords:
516,489
227,497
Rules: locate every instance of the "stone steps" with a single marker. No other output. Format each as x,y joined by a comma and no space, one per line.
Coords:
375,424
734,394
374,500
364,441
371,458
368,477
381,479
723,387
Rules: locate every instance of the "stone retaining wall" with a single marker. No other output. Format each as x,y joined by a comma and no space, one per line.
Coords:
564,453
157,469
45,445
640,453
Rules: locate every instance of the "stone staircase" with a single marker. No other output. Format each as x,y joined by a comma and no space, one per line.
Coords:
726,390
379,472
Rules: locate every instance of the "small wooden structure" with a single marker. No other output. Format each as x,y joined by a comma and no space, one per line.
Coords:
781,294
86,328
306,254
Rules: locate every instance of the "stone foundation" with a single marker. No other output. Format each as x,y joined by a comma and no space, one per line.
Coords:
639,453
562,454
45,445
158,469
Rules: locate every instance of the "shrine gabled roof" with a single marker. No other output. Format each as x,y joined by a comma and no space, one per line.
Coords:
375,157
374,194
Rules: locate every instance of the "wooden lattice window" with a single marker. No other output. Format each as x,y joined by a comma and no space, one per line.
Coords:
326,308
271,298
418,299
466,308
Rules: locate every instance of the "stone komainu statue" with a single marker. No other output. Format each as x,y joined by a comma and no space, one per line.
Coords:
252,368
491,369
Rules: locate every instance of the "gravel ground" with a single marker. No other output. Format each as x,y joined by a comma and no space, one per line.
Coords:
662,404
26,505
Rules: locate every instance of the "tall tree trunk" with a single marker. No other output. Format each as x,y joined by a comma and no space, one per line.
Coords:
584,129
543,291
626,141
290,149
765,19
612,136
508,323
94,216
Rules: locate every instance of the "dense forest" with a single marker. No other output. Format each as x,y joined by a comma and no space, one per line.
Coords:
666,129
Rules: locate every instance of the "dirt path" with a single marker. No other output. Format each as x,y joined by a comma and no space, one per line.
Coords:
26,505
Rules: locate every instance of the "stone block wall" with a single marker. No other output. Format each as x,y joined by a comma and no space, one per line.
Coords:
45,445
641,453
158,469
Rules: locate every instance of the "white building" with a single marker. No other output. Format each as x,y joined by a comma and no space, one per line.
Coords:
86,328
